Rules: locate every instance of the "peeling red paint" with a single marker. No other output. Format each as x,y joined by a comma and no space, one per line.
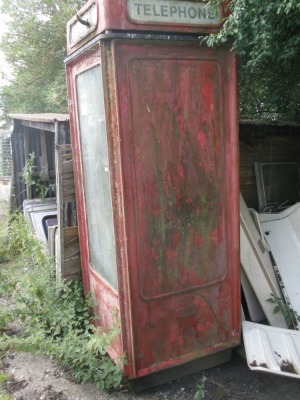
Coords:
198,241
201,136
181,171
182,157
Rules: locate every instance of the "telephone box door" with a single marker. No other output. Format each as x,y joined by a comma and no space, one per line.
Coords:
177,132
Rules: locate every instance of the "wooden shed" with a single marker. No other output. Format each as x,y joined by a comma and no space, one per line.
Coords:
48,137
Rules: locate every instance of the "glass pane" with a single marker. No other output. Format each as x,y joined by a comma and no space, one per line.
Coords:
94,153
281,183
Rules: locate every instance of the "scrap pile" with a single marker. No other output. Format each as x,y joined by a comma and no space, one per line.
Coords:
270,278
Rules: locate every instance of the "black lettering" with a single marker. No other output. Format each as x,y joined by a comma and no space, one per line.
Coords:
147,10
173,10
155,13
182,11
202,13
164,11
138,6
192,12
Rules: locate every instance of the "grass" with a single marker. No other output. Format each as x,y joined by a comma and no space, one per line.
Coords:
5,396
55,319
4,378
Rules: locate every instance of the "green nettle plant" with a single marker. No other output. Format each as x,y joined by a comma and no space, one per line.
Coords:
291,316
55,319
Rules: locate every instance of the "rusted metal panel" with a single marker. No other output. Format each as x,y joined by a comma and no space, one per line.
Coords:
178,147
108,300
171,126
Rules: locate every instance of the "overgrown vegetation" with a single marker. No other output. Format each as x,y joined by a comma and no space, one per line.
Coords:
40,183
55,319
291,316
4,378
265,35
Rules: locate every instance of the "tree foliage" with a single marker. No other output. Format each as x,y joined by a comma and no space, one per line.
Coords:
35,46
266,38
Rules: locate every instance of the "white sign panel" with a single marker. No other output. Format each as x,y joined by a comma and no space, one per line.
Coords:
173,11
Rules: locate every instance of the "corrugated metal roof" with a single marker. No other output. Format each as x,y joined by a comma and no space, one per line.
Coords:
48,117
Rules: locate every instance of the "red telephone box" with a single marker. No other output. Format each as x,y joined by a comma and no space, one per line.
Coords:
153,115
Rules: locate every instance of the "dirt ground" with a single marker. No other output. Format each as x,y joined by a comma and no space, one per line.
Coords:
39,378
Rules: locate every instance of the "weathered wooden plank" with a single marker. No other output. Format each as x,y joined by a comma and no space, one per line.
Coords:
72,248
69,195
70,232
246,170
69,192
67,166
26,153
68,178
59,196
44,157
69,198
72,266
68,181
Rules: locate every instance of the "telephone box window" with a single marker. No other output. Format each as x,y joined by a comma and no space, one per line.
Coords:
94,154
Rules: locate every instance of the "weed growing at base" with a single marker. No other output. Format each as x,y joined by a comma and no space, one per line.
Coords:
200,388
55,319
291,316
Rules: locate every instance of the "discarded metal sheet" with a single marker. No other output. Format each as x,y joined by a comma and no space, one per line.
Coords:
257,265
52,233
271,349
36,214
282,233
38,221
38,204
256,313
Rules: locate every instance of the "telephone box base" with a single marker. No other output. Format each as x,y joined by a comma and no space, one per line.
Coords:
180,371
